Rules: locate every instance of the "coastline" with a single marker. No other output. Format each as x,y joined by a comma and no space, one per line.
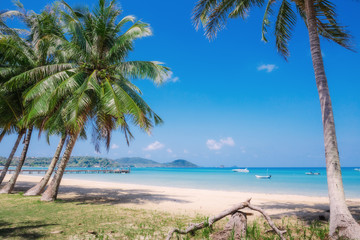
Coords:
186,201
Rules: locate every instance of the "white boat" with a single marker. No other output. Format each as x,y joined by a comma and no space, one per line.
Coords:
312,173
243,170
357,169
263,177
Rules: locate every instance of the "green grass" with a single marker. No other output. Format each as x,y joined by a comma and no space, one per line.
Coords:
29,218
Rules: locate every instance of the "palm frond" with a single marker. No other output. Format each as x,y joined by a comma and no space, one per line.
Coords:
327,25
144,69
213,14
37,74
266,22
285,22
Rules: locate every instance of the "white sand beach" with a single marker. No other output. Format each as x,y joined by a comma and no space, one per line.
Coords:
186,200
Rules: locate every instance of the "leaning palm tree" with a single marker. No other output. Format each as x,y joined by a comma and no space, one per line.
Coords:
320,19
11,109
23,55
97,88
10,113
55,126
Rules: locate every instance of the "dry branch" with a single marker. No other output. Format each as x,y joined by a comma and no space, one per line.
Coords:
194,227
268,219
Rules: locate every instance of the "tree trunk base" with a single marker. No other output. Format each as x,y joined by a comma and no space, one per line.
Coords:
346,228
36,190
47,197
7,189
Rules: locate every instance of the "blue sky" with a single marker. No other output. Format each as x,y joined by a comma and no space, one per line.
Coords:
234,100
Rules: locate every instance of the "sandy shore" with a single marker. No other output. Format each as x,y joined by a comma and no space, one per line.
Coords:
186,200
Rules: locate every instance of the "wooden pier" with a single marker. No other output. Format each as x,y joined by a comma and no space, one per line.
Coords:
78,171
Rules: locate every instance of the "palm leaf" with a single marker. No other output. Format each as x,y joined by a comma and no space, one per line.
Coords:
285,22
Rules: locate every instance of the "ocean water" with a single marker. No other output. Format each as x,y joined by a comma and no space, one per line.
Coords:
283,180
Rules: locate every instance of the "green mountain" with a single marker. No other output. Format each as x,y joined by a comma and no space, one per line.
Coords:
181,163
85,161
137,162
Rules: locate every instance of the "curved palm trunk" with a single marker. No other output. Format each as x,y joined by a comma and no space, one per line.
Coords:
39,188
341,221
11,184
10,158
51,192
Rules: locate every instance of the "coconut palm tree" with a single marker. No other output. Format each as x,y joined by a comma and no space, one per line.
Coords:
56,126
11,108
320,19
19,56
97,88
10,113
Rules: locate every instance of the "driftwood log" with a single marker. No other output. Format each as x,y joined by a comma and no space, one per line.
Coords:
236,228
236,216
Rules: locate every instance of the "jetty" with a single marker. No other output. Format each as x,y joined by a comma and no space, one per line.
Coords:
78,171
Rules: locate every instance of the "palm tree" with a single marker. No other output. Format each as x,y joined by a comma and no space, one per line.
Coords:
21,56
97,86
39,188
320,19
9,112
11,108
11,156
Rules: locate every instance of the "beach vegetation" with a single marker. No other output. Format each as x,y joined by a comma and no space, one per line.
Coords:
87,219
320,18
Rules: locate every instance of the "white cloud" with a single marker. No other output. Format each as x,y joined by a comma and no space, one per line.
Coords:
213,145
114,146
267,67
169,150
170,78
154,146
217,145
228,141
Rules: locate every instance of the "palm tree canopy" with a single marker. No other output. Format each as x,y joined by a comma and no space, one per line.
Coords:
213,15
21,52
96,82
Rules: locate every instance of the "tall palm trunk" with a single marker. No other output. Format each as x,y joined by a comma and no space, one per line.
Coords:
11,184
51,192
10,158
341,221
39,188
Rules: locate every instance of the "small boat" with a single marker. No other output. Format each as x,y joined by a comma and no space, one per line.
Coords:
312,173
263,177
357,169
243,170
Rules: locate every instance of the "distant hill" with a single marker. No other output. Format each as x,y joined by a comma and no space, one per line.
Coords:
180,163
142,162
137,162
82,161
85,161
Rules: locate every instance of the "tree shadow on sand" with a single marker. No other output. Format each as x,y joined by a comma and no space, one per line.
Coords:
25,230
107,196
308,212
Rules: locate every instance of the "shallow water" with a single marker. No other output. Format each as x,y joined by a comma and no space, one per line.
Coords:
283,180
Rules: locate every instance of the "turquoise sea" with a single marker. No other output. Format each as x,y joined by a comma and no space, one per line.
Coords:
283,181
